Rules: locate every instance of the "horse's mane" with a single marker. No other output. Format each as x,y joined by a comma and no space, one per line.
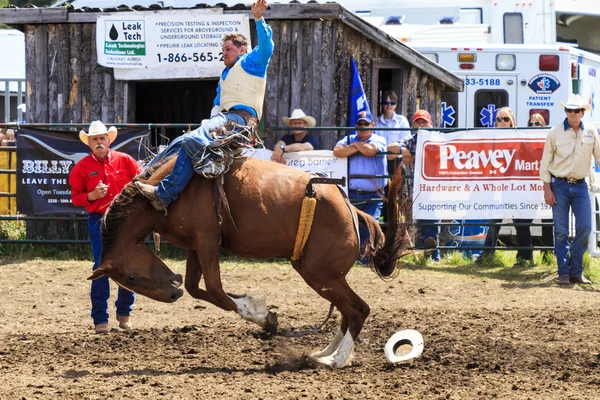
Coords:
129,197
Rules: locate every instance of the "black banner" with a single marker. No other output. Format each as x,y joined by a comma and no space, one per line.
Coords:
45,159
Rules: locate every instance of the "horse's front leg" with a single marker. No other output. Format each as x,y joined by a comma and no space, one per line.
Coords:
255,310
193,275
249,308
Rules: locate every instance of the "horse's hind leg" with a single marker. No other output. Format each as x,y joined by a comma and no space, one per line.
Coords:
353,309
337,339
332,347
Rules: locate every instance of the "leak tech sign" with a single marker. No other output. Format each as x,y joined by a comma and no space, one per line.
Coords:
544,84
124,37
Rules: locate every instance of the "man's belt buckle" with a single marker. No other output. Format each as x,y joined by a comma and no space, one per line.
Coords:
572,181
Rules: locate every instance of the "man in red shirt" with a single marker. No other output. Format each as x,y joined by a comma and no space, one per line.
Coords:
95,181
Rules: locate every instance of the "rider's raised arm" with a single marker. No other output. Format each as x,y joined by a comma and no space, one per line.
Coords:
257,60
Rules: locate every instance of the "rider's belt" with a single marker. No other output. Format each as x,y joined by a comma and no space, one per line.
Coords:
250,119
570,181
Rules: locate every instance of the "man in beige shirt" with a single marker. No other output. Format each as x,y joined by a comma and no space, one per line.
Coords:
566,161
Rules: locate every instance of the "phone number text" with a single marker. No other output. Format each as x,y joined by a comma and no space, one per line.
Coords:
193,58
482,82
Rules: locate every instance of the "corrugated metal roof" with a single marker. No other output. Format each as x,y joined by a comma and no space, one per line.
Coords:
12,57
85,5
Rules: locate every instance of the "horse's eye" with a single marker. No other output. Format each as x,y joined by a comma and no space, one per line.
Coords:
131,278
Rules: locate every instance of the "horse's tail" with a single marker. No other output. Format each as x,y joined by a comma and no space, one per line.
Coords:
385,251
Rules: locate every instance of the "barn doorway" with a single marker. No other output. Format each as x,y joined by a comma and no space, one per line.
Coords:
387,75
171,102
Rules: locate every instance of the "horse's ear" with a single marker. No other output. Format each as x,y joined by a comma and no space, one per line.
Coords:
99,272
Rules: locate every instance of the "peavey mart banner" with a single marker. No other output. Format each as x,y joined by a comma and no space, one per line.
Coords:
45,159
480,174
177,43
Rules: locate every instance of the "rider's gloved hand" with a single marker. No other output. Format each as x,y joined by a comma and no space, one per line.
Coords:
215,110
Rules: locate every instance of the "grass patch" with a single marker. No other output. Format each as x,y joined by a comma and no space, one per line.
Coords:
499,265
502,265
13,230
17,252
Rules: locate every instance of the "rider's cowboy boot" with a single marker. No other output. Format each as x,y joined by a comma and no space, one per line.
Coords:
149,192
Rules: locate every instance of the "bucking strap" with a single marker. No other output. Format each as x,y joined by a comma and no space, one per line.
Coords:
307,214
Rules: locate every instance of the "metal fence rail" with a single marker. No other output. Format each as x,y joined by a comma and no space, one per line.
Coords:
158,136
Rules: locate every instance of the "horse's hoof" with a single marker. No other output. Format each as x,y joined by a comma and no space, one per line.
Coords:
331,362
271,324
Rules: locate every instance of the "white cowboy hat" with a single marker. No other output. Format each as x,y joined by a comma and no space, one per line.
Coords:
408,337
98,128
574,102
299,114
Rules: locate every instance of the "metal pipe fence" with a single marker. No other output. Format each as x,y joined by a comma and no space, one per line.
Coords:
159,138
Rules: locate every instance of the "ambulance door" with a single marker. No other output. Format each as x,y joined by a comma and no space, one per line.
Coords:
485,94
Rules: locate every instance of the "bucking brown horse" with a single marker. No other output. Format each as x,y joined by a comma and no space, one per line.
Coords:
262,220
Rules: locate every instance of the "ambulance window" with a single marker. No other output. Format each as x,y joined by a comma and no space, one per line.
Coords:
513,28
544,113
487,103
449,110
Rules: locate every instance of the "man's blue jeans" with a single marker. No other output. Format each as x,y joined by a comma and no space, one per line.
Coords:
101,287
575,197
186,145
361,201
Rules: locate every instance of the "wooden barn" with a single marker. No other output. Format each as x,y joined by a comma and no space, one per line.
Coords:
310,69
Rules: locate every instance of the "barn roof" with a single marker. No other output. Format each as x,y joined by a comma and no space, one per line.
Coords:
292,11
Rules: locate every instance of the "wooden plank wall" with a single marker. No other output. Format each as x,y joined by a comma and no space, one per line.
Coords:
310,69
65,84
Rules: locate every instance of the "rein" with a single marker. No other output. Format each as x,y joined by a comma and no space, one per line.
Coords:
304,333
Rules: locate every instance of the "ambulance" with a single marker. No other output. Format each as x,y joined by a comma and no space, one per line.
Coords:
527,78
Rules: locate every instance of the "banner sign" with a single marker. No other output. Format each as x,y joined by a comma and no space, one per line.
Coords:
481,174
45,159
176,42
318,161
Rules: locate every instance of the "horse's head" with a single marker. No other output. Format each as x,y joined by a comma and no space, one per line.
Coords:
125,259
142,272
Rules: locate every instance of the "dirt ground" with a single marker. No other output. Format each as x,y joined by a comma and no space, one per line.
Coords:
484,338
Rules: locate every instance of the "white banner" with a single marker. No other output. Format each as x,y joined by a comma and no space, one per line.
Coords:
319,161
481,174
172,43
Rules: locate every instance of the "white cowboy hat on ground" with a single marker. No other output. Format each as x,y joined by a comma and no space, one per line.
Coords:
299,114
575,102
98,128
409,339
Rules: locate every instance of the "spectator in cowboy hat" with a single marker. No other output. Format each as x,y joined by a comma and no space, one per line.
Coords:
298,139
95,181
566,161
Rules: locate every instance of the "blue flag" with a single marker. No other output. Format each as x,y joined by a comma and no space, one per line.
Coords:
358,99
